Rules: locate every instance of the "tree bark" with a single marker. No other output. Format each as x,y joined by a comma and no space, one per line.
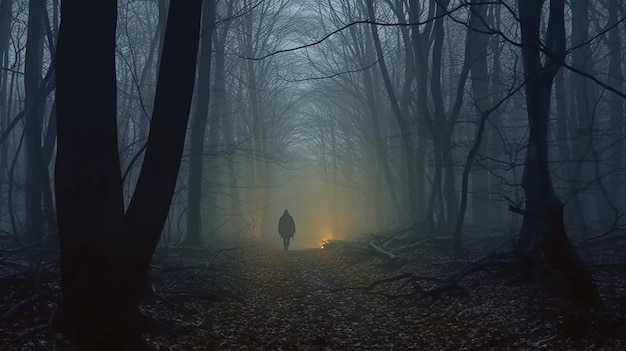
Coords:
258,166
198,129
104,252
616,105
33,118
221,109
420,46
543,226
403,125
6,7
476,53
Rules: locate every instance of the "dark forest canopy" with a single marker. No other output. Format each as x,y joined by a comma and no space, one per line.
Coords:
131,125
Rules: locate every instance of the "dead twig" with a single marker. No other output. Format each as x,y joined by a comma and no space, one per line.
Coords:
17,308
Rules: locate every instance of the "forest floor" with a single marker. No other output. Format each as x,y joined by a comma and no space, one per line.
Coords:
261,298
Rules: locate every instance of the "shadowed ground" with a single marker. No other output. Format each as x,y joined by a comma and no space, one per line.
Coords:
261,298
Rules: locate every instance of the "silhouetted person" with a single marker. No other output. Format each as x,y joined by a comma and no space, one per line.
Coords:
286,228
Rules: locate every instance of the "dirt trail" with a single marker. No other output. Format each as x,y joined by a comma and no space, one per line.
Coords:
293,301
290,304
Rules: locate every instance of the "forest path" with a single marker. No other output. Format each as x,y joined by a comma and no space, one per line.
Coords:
291,303
292,300
315,300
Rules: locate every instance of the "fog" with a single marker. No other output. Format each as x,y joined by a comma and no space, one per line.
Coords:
338,119
137,132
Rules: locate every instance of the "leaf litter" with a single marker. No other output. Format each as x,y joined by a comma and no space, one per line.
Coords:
260,298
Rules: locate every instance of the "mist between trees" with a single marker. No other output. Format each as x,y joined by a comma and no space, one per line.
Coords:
358,116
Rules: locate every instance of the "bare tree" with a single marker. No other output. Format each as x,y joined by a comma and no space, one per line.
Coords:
543,225
198,129
104,251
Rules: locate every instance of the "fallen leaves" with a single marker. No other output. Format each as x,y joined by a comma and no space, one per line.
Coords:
261,299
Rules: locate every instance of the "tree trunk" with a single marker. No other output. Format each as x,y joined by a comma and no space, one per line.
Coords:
475,50
496,175
221,110
543,225
198,129
420,45
561,121
592,200
33,108
6,7
258,131
476,53
444,142
104,252
616,105
403,125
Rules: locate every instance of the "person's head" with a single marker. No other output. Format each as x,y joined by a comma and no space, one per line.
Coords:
286,212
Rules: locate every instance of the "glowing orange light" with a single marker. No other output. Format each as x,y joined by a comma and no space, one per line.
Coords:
324,243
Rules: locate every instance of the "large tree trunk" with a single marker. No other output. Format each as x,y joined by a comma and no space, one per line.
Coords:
543,223
104,252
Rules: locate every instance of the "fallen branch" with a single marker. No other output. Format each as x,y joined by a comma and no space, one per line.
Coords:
410,246
615,226
14,310
454,279
443,284
391,256
166,301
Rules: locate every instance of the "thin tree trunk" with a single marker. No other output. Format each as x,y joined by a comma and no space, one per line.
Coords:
420,46
476,53
495,176
403,125
6,7
194,233
591,200
543,225
33,107
440,124
616,103
258,132
221,110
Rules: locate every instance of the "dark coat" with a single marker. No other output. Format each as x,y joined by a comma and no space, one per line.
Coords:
286,225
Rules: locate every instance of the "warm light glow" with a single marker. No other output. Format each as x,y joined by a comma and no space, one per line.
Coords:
322,212
324,243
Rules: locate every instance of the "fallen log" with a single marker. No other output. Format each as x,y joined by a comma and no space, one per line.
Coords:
389,255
